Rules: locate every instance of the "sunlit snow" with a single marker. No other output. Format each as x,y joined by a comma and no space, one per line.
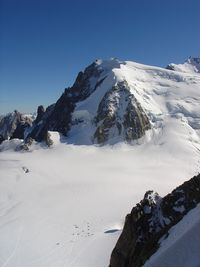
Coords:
65,206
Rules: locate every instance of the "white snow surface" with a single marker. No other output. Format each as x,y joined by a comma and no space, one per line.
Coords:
60,206
57,213
181,247
163,94
191,65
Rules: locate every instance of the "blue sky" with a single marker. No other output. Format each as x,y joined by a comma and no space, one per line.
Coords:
45,43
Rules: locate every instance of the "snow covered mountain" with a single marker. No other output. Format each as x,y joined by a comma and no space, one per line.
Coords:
113,101
192,65
64,206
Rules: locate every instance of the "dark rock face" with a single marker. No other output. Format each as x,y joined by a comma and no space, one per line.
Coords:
119,117
170,67
86,83
1,139
195,61
40,113
13,125
120,114
150,220
26,144
58,117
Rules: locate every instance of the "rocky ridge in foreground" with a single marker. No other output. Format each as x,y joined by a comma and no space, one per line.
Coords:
150,220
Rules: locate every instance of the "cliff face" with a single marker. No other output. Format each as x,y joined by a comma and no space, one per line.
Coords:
191,65
150,220
118,112
13,125
57,117
114,101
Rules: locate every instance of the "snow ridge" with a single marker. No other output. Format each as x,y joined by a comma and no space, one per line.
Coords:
191,65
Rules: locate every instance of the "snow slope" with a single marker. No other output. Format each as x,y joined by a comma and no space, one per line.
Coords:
65,206
191,65
181,247
56,204
164,95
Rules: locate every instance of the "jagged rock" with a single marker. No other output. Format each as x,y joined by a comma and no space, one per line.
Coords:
26,170
120,114
39,130
1,139
40,113
170,67
13,125
86,83
26,144
48,140
150,221
58,116
192,65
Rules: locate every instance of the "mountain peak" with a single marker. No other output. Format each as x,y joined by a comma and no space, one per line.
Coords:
191,65
113,101
193,60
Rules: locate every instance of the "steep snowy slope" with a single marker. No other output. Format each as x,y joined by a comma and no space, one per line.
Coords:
64,206
191,65
151,221
181,248
117,100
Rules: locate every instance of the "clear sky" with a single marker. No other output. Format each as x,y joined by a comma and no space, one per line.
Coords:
45,43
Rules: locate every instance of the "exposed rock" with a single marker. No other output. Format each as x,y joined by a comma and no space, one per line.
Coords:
40,113
150,220
1,139
120,115
49,141
39,130
26,144
13,125
58,116
26,170
192,65
170,67
86,83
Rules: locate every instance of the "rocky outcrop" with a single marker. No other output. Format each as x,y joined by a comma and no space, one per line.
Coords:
115,116
107,115
49,140
58,116
191,65
86,83
40,114
25,145
120,115
150,220
13,125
